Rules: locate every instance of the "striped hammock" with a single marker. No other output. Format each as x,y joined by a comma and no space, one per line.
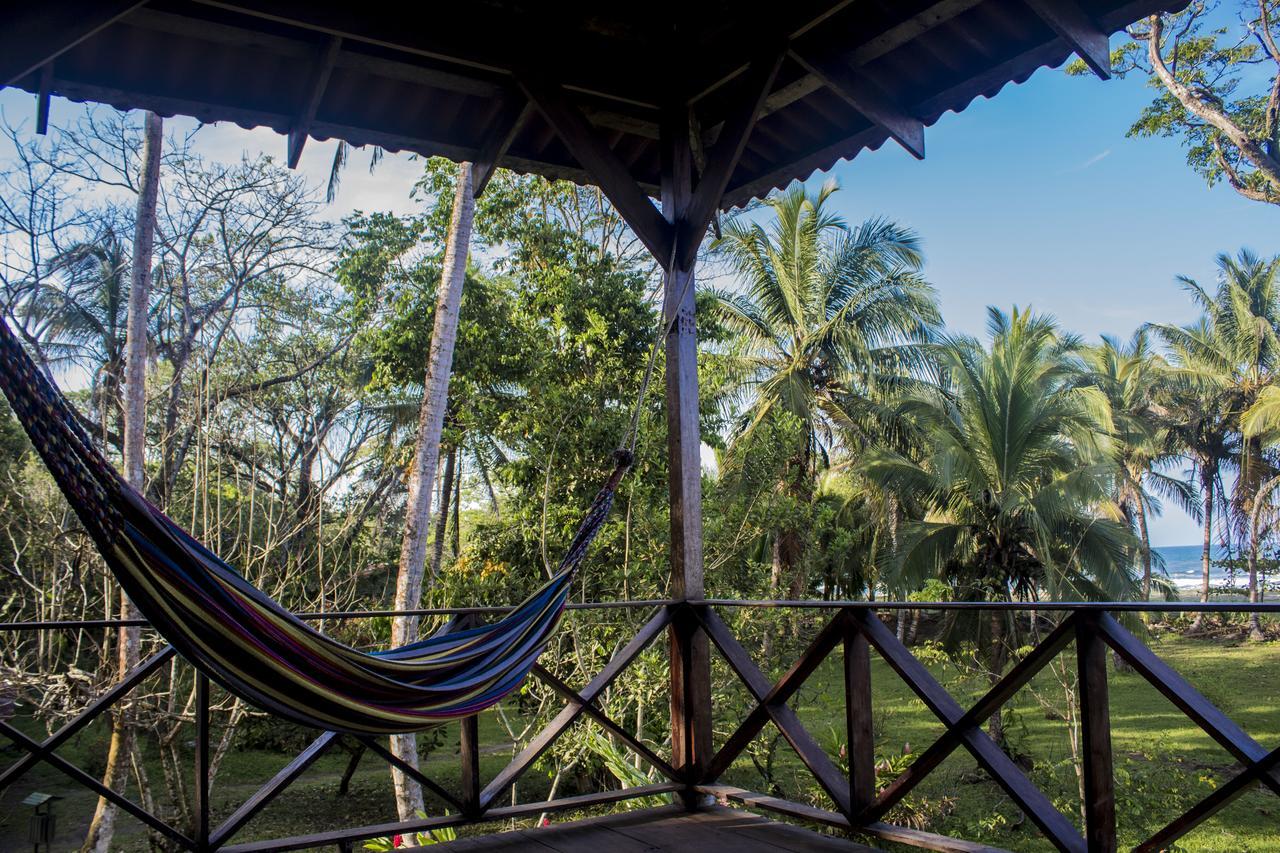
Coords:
248,643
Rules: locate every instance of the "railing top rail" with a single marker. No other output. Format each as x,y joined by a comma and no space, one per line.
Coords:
339,615
1022,606
809,604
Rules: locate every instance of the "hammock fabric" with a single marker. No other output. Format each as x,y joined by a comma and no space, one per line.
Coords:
248,643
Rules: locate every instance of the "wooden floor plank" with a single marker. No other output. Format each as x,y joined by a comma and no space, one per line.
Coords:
663,830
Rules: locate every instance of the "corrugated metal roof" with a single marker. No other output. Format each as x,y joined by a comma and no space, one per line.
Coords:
439,83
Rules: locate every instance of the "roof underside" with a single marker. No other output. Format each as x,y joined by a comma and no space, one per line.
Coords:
443,82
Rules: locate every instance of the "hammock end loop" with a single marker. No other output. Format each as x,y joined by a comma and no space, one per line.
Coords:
623,459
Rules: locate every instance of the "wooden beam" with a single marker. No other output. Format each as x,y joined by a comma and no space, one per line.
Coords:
321,70
859,718
607,170
502,47
469,753
1186,698
337,837
37,33
871,50
813,814
375,746
262,797
866,96
1016,678
810,753
43,97
534,749
515,111
1222,796
1077,29
605,721
690,653
1055,826
723,158
779,694
1095,737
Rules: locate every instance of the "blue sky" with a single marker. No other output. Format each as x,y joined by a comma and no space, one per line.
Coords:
1035,197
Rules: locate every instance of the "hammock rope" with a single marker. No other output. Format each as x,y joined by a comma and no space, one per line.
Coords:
250,644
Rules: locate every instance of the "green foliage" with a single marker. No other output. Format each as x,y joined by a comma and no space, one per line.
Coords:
419,839
1214,67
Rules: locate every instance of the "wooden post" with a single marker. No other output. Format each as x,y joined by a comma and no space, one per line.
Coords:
201,787
690,651
857,703
1095,729
469,749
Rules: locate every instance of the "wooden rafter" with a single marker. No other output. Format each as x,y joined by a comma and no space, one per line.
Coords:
317,82
609,172
871,50
723,158
513,113
41,32
1078,30
43,97
867,97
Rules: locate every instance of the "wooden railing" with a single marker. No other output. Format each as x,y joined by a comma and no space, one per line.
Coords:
857,805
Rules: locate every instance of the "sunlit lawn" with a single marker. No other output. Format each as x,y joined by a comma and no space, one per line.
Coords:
1164,763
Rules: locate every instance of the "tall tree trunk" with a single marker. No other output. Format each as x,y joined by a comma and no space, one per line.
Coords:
1255,520
1140,513
995,665
442,517
1206,551
914,630
457,514
413,550
456,544
102,827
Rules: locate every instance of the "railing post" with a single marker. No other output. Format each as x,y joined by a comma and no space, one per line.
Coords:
202,762
858,722
690,650
469,749
1095,729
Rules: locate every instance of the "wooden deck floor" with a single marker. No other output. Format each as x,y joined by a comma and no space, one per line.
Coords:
715,830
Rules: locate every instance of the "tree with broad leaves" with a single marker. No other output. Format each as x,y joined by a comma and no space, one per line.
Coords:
1218,89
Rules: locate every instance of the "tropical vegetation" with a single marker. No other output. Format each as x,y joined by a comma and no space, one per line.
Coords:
305,417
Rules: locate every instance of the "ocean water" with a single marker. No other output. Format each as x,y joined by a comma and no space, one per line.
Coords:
1182,564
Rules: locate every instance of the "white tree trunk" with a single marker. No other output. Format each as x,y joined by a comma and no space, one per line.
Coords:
413,550
102,827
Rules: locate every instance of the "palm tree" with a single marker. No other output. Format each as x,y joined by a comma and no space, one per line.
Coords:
830,319
1261,421
84,315
1131,376
1225,361
1014,478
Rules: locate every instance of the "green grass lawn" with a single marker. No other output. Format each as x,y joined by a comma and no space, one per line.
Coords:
1163,762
